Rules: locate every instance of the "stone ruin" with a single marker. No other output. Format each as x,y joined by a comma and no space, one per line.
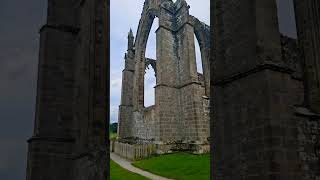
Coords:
179,120
264,91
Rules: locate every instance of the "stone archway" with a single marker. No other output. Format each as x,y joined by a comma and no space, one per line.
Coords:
150,11
202,32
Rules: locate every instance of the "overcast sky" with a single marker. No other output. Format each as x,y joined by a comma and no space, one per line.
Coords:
19,40
20,22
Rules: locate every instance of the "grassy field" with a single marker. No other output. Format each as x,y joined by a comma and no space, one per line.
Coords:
179,166
118,173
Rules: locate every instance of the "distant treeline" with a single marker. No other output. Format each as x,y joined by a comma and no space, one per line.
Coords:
113,127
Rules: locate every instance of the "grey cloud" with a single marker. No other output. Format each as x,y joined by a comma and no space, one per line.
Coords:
19,39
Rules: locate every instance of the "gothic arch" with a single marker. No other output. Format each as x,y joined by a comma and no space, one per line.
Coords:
149,13
202,32
151,10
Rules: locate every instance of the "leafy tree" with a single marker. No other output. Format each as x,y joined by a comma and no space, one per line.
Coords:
113,127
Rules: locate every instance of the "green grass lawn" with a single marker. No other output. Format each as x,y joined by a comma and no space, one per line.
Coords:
118,173
113,136
179,166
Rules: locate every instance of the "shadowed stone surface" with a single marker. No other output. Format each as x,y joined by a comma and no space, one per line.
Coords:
70,133
262,126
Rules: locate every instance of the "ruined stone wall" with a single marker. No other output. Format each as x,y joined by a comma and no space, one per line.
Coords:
180,113
308,142
144,124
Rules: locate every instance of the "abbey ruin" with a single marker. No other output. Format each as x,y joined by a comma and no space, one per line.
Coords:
179,120
262,90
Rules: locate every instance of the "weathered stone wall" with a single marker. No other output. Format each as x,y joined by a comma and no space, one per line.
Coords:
255,134
178,114
49,159
144,123
181,102
308,134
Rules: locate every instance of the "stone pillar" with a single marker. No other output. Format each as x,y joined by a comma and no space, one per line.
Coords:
254,134
70,134
308,27
126,106
166,92
179,104
190,90
50,147
92,93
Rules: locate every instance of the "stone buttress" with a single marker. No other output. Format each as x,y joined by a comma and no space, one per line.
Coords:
126,106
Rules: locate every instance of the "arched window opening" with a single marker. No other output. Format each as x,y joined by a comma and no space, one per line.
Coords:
286,18
149,77
198,56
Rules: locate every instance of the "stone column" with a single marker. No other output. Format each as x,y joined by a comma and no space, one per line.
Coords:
190,90
50,148
308,27
166,93
254,134
91,152
178,91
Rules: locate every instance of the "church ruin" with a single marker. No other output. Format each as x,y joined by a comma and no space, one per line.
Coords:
264,91
179,120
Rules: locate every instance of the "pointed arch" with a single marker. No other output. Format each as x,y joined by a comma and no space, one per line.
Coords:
202,34
150,68
150,11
